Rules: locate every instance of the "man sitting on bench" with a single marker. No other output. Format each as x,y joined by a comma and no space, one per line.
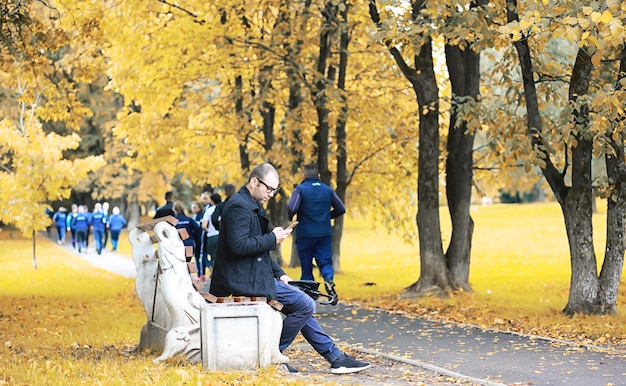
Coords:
243,267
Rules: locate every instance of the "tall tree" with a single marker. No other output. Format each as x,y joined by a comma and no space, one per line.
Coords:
33,53
33,172
433,271
592,29
463,63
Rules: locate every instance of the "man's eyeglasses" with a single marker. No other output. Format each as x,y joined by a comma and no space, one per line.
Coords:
267,187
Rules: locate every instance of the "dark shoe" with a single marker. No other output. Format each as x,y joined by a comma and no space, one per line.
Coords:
330,290
286,369
347,365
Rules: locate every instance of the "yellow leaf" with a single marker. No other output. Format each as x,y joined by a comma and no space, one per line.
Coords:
595,59
593,40
595,16
570,21
606,17
615,102
584,23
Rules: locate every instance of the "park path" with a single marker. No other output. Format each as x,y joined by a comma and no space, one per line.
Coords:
108,260
481,356
465,351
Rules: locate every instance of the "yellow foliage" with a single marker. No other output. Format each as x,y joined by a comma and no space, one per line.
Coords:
36,172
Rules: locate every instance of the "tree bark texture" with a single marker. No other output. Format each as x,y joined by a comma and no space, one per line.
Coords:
341,135
616,217
464,70
577,208
433,266
321,98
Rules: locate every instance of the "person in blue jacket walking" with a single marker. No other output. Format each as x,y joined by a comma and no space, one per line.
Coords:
60,219
81,223
70,226
116,223
316,204
98,222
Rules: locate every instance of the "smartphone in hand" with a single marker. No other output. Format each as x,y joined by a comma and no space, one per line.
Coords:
292,225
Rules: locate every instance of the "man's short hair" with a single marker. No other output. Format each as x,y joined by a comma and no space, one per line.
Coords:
230,189
310,171
216,198
169,195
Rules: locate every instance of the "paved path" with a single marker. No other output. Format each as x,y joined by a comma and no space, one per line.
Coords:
482,356
109,261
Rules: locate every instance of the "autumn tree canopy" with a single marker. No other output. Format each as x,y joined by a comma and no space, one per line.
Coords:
397,102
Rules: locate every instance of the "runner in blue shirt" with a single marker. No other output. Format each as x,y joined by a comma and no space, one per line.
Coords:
81,223
116,223
98,222
60,219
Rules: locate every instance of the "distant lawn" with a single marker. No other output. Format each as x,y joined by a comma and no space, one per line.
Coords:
68,322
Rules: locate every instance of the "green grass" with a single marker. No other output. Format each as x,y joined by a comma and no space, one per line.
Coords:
68,322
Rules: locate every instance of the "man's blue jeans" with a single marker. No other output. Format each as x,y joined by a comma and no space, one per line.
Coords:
299,308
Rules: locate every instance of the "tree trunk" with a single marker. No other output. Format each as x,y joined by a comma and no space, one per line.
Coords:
613,264
327,75
277,210
584,277
464,70
292,115
34,254
433,266
616,215
294,260
577,208
433,271
244,157
134,215
341,135
321,99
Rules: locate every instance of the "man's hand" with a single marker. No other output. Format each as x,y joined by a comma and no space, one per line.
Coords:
285,279
281,234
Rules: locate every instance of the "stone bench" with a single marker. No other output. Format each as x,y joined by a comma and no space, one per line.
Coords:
179,313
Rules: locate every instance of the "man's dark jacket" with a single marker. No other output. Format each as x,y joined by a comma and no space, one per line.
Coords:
243,266
166,209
